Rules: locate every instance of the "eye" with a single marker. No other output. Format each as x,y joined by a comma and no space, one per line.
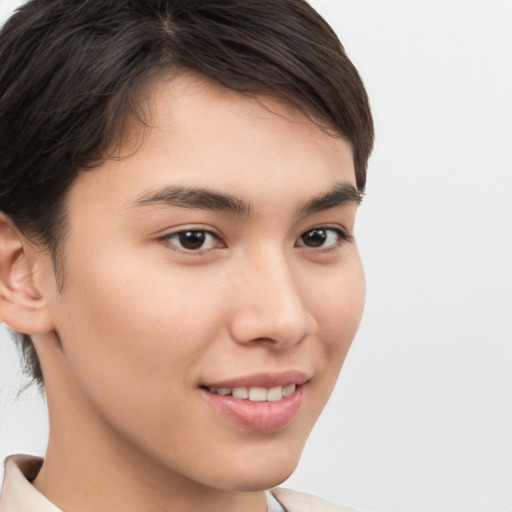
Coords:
322,237
193,240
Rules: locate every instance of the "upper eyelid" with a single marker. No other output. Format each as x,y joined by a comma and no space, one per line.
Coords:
344,233
333,227
166,240
179,232
181,229
344,237
184,228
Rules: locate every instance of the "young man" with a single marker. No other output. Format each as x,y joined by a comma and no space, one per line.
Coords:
178,185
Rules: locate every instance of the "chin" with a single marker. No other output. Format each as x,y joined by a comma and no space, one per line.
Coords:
261,474
251,482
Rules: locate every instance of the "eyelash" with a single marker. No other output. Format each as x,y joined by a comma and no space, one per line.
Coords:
341,235
167,239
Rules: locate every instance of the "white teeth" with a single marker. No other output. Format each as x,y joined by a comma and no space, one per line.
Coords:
242,393
288,390
274,394
257,394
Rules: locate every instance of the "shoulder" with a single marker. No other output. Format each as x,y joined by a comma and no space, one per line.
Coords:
294,501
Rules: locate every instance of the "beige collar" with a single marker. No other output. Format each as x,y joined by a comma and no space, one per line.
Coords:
294,501
18,494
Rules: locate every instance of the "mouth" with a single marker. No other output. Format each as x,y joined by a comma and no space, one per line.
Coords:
256,394
260,403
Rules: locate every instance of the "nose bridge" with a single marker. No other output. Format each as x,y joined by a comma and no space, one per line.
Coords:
269,306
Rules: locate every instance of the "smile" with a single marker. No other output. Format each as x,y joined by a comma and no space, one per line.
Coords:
265,402
256,394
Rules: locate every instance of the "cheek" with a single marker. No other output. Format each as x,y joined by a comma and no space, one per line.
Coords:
341,303
132,346
339,310
337,307
131,329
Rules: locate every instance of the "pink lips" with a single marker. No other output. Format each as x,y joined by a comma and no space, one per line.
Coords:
264,416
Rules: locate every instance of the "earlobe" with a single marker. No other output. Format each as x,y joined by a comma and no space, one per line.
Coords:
23,307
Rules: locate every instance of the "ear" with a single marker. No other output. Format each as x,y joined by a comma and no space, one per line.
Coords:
23,305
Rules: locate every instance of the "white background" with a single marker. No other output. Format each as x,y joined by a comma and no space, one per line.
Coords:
421,419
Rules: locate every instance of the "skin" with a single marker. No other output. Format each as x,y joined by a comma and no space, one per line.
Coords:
141,322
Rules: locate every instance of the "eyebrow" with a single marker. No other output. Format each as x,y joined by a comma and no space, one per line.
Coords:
341,194
204,199
192,197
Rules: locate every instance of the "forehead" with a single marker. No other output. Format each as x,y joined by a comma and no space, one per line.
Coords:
199,133
191,101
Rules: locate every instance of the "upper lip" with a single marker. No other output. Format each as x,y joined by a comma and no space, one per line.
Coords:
263,380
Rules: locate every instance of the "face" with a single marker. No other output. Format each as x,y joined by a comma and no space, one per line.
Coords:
212,288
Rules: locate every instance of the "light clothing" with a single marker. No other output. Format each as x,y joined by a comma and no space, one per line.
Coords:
294,501
19,495
272,504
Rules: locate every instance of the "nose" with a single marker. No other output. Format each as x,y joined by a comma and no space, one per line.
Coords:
268,304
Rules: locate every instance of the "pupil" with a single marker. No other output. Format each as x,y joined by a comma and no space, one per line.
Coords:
192,239
315,237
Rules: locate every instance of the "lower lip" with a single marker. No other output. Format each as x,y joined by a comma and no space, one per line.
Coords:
258,416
